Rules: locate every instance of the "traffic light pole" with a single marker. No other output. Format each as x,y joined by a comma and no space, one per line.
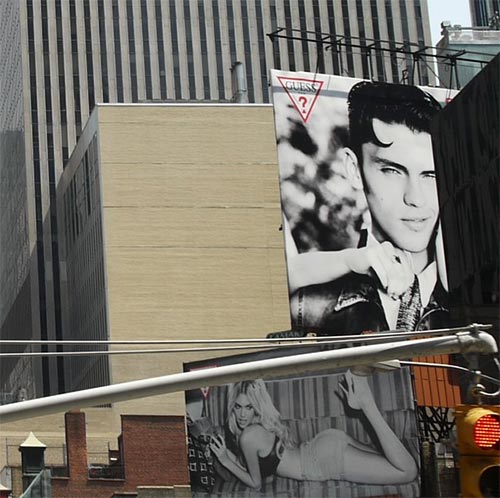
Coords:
478,442
467,341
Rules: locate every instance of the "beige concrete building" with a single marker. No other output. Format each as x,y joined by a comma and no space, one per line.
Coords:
170,218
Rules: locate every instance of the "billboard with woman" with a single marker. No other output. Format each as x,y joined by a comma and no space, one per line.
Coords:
336,434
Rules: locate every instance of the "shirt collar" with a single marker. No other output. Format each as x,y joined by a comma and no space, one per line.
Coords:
427,278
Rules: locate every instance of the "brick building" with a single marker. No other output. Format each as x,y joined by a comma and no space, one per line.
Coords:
151,454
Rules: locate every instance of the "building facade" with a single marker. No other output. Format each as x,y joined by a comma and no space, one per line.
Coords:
464,52
483,12
19,304
466,150
61,57
170,229
150,455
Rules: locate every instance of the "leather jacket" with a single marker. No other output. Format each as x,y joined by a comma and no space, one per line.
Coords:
351,305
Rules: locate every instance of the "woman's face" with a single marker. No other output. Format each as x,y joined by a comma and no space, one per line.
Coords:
244,412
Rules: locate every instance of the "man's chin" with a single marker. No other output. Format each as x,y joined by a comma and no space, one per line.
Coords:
413,249
416,247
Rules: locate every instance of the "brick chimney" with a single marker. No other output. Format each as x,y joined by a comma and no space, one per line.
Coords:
76,444
4,492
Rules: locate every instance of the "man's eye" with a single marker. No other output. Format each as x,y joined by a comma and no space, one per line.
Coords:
430,174
391,171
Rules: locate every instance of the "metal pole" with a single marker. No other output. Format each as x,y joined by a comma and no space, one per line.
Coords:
452,67
320,62
462,342
456,76
339,56
370,62
412,78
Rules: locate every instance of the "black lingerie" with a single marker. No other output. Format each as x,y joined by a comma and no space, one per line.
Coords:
269,463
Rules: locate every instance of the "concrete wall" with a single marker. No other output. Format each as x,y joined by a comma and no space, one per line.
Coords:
191,221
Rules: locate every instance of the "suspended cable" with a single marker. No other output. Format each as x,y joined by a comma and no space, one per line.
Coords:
342,338
376,338
446,365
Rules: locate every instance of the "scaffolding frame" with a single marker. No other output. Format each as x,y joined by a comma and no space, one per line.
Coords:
414,52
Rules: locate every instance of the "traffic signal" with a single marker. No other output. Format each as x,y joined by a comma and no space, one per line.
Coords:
478,440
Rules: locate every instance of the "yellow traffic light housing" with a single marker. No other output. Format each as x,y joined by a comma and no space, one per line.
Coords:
478,441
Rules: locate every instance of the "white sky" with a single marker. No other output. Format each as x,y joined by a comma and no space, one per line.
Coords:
455,11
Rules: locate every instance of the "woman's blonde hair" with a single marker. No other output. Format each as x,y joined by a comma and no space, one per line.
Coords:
266,413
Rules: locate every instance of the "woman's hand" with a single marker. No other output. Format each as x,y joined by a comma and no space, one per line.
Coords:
218,447
357,392
391,265
249,476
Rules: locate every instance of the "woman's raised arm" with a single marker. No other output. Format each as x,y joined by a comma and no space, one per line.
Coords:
396,465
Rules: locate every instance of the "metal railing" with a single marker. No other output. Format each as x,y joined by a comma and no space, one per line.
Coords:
40,487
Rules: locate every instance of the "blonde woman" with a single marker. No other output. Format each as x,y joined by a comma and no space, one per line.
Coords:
264,446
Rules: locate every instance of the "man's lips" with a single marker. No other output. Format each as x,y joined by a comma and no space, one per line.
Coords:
415,224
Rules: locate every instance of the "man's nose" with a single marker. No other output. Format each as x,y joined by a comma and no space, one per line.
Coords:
414,194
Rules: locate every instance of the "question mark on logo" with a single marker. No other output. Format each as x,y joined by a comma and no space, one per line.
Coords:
303,101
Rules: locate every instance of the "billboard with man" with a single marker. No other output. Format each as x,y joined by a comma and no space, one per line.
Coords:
360,206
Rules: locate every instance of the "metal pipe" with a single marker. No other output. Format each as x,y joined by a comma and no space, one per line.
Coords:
462,342
239,83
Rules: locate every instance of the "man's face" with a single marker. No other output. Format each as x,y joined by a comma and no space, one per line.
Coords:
400,186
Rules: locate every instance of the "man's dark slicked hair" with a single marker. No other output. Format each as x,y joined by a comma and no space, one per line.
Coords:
391,103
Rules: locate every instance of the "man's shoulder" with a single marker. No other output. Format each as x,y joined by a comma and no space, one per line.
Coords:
344,291
348,305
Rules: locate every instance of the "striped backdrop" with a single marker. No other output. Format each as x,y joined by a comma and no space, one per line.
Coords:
312,404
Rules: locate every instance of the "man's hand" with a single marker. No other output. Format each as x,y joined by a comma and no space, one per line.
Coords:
391,265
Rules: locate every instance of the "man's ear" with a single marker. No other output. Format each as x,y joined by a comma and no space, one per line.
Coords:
351,166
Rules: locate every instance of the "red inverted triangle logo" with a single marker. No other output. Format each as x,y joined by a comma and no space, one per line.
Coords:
303,93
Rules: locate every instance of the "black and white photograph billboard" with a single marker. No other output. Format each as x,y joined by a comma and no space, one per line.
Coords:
334,434
360,206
